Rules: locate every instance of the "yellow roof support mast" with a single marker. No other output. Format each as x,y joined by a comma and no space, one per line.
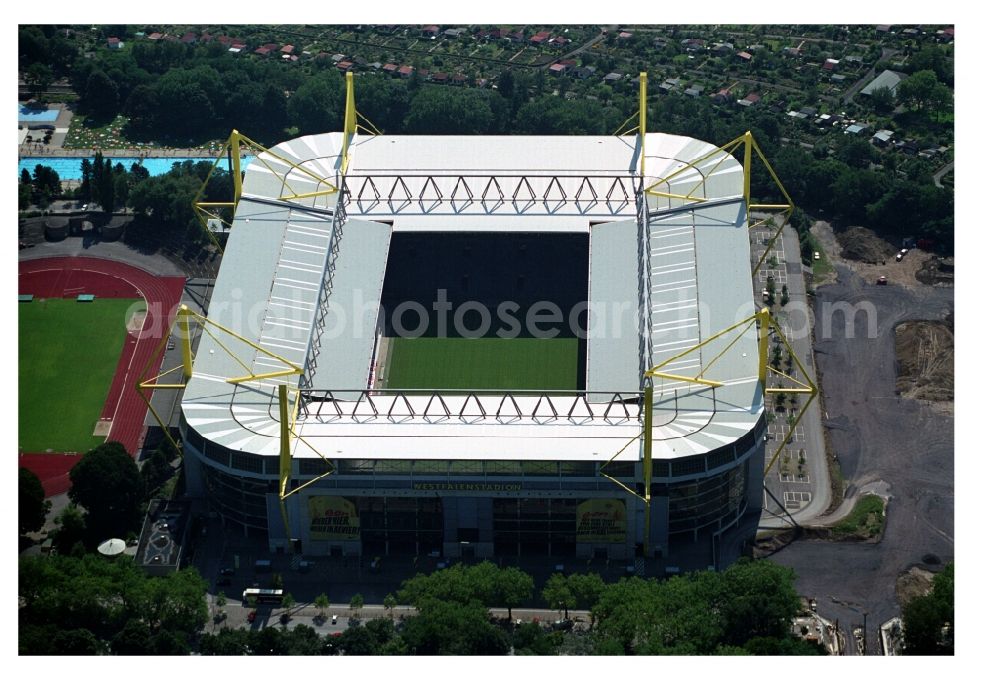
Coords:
761,321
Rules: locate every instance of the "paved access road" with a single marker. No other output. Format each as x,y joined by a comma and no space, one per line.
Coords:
878,436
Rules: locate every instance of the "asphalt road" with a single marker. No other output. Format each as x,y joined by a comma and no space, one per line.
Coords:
878,436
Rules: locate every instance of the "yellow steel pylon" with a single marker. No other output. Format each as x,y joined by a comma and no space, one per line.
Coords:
765,327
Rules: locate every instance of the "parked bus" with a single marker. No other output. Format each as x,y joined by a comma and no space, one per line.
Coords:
264,596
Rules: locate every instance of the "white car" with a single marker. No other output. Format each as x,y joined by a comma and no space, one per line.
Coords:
815,255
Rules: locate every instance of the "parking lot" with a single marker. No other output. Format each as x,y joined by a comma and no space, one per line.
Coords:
798,479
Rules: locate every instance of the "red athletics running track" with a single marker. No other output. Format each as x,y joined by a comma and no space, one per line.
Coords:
63,276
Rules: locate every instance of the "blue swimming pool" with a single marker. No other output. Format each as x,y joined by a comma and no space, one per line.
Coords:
25,114
68,168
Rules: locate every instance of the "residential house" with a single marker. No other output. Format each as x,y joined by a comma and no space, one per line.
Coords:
882,137
288,49
670,84
558,69
440,78
459,79
749,99
539,38
189,38
454,33
430,31
345,66
560,41
831,64
265,50
808,111
659,43
694,91
745,57
405,71
721,96
156,36
723,48
390,68
115,43
624,35
883,28
612,78
837,77
584,72
856,128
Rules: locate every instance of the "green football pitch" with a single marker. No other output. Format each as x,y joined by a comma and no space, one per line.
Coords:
483,363
67,355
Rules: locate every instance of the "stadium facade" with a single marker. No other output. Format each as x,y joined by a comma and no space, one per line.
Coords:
376,471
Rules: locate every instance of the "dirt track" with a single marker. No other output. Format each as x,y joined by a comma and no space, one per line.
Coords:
878,435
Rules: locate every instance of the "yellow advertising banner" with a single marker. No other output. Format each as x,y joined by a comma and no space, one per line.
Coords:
332,517
601,520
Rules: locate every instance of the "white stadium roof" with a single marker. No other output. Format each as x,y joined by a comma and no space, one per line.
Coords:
291,265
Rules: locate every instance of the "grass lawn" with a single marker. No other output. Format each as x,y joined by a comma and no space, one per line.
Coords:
822,268
67,355
483,363
865,520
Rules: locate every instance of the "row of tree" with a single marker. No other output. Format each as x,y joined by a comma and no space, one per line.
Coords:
745,610
92,605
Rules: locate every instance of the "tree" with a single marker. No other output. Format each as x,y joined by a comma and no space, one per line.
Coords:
530,639
133,639
448,628
318,105
558,594
72,530
883,99
444,110
106,482
784,295
513,587
586,589
770,290
390,602
155,471
38,77
101,95
86,171
112,600
357,603
701,613
287,602
322,602
32,507
929,621
922,91
220,605
856,152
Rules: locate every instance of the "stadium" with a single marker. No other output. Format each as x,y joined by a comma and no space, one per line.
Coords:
480,346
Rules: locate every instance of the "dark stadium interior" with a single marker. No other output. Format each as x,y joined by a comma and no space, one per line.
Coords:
488,268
